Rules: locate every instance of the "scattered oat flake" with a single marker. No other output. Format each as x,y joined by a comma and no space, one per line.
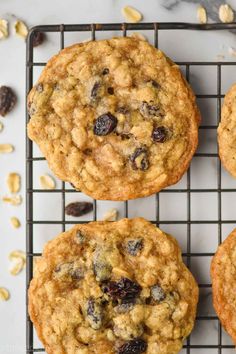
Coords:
3,28
21,29
19,260
138,35
17,267
1,127
6,148
226,13
131,15
4,294
14,182
201,15
17,254
14,200
47,182
15,222
111,215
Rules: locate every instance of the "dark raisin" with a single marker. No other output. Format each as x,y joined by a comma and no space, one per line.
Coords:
139,159
125,136
58,268
105,124
7,100
104,302
110,90
134,346
124,290
159,134
38,38
94,91
150,110
105,71
78,208
80,237
134,246
101,267
39,88
87,152
94,313
157,293
155,84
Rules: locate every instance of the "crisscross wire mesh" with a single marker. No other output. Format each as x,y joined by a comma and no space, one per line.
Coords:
189,191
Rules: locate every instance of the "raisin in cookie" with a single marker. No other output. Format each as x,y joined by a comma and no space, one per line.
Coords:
115,288
223,274
227,132
115,118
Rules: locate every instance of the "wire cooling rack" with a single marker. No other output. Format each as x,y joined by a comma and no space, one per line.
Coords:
203,343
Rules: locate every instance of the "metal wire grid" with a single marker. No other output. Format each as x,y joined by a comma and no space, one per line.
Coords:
30,160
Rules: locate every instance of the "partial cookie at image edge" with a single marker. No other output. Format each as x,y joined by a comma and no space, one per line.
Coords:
223,283
227,132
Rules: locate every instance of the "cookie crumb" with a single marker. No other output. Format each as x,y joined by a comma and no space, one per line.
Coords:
19,261
201,15
226,14
131,15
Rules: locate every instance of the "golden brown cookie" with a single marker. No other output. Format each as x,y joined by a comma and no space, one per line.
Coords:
115,118
223,274
227,132
115,288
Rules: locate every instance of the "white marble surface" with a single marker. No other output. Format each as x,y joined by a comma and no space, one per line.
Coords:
180,46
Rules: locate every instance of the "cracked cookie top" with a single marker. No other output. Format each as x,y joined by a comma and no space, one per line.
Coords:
115,288
115,118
